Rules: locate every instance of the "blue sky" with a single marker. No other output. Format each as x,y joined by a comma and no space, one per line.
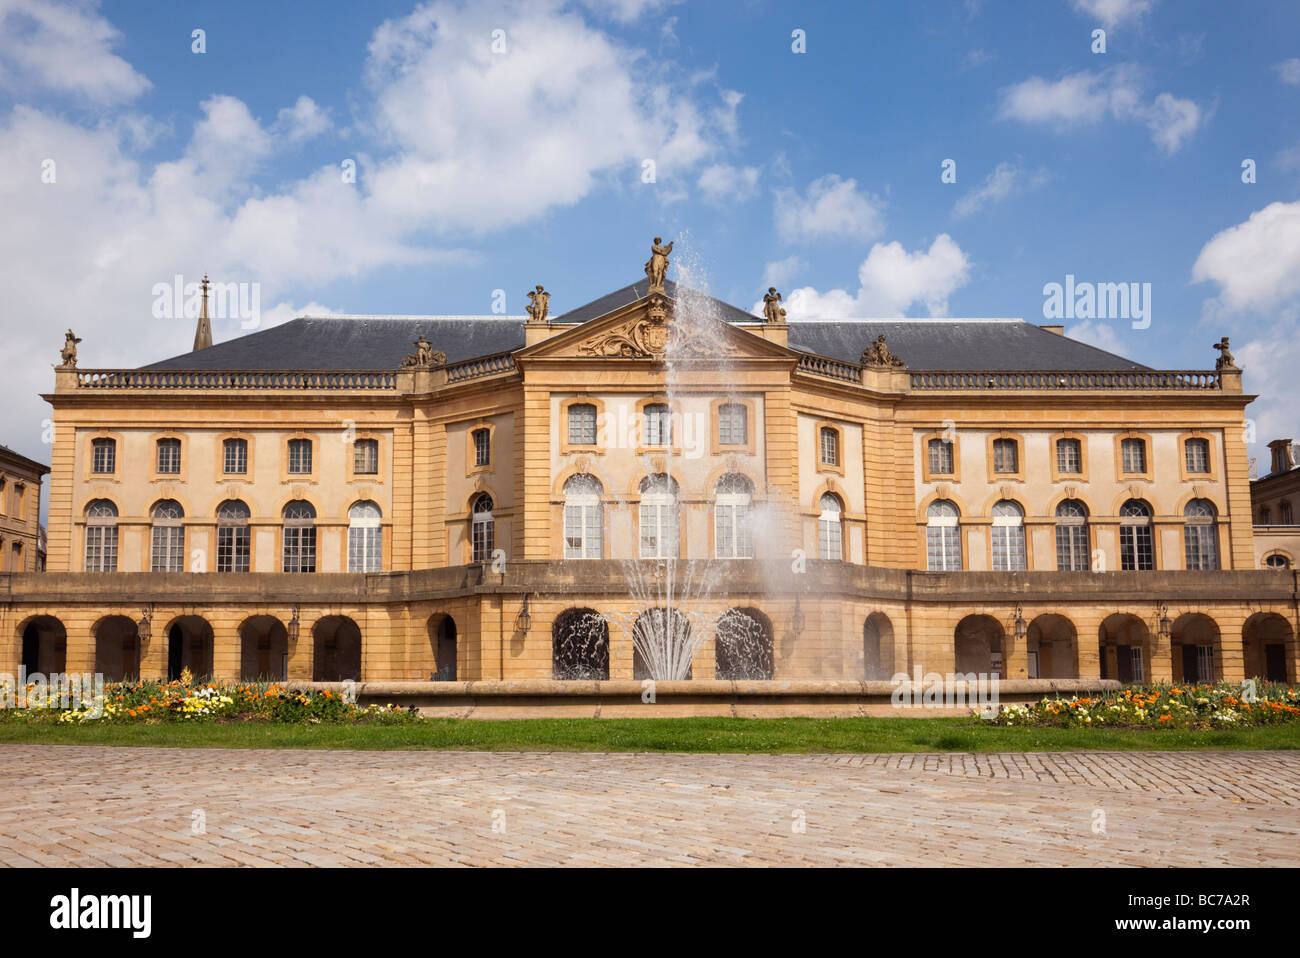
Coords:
818,171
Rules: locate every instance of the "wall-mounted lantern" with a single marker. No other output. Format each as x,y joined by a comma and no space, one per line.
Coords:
294,625
1021,627
524,621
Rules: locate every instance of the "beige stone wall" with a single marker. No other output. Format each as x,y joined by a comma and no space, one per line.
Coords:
20,510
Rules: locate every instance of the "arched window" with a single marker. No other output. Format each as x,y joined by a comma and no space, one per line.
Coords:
582,424
942,537
830,537
168,539
482,529
1136,541
299,537
232,537
365,538
1072,552
1008,537
101,536
1200,535
1277,561
584,522
733,518
658,518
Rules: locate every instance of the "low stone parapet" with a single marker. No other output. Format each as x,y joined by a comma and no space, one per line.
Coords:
548,698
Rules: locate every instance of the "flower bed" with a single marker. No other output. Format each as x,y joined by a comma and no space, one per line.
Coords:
189,701
1162,706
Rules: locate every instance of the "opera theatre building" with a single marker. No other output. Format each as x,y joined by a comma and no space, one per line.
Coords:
653,484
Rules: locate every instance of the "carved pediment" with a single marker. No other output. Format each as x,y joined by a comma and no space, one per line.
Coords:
638,338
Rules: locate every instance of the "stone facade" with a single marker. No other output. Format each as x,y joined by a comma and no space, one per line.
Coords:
21,547
455,511
1276,501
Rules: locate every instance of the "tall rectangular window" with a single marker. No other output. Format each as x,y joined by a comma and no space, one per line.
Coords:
365,457
582,425
1197,455
299,548
658,425
234,457
1006,456
830,446
1133,455
1069,456
101,548
169,456
941,460
233,548
482,447
300,457
168,549
103,455
733,425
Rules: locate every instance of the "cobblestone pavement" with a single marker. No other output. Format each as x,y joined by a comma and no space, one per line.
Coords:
87,805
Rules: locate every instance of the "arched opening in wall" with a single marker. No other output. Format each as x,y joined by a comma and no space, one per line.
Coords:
1197,650
337,652
44,646
662,646
580,645
1052,648
1268,643
117,648
189,646
264,649
978,645
743,648
1124,648
442,640
877,648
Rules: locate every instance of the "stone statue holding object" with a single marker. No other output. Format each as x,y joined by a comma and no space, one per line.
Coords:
772,310
539,304
69,352
1225,360
425,356
878,354
657,266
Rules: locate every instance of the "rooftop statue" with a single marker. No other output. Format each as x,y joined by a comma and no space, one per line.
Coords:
69,351
657,266
772,310
878,354
1225,360
539,304
425,356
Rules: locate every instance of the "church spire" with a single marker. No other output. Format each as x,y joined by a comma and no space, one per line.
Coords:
203,335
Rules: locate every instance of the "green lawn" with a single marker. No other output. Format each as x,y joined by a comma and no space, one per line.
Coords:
658,735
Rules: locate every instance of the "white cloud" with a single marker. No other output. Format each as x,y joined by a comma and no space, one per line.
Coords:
451,140
1088,97
781,272
892,280
1101,335
64,48
996,187
486,140
626,11
302,121
831,208
722,182
1289,71
1269,362
283,312
1112,12
1256,263
976,58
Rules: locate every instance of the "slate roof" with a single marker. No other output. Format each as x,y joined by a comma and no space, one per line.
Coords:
341,343
19,459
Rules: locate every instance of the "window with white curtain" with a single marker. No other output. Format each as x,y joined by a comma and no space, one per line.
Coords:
583,518
733,518
365,538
